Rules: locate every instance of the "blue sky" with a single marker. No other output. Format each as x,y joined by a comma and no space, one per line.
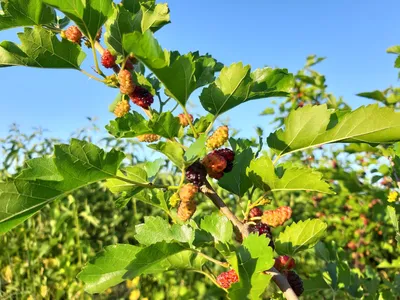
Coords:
353,35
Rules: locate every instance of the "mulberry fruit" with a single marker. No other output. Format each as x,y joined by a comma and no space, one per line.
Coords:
295,282
226,153
218,138
141,97
226,279
126,85
229,167
122,108
262,229
148,138
185,120
130,62
215,165
73,34
107,59
187,192
276,217
255,212
186,209
284,262
196,174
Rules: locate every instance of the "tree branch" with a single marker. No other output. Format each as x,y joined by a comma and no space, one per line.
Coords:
277,277
208,191
282,283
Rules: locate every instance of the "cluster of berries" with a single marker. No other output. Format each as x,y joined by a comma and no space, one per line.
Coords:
219,162
139,95
226,279
216,163
284,264
260,228
187,206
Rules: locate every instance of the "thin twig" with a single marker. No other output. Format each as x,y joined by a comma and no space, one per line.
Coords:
208,191
223,264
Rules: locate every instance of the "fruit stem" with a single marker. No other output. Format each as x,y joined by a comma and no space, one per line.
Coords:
281,281
208,191
276,159
96,61
205,274
223,264
211,125
396,177
195,134
91,76
145,185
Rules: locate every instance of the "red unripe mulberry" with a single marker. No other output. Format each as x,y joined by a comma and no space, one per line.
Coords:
107,59
226,279
284,262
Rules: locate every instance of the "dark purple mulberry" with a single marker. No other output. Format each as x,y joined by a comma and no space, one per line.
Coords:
295,282
196,174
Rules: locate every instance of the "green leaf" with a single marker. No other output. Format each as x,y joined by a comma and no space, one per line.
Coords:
153,167
393,49
267,111
196,150
17,13
123,21
219,226
40,48
120,22
131,125
391,211
315,284
263,175
89,15
152,16
42,168
108,267
375,95
156,229
172,150
157,198
78,164
151,259
133,173
201,124
236,85
395,264
300,236
316,125
165,125
255,256
237,180
180,74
